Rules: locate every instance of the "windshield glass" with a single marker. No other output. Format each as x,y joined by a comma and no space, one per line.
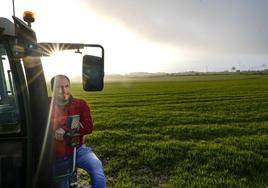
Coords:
9,113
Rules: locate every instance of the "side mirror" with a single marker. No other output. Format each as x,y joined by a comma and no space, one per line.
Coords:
93,73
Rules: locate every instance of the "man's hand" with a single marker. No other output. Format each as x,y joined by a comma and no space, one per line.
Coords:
59,133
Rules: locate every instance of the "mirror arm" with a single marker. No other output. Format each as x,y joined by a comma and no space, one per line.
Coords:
46,48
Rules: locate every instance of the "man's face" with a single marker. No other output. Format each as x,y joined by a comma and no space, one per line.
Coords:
62,88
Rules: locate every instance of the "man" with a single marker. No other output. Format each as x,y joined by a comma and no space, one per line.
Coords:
62,105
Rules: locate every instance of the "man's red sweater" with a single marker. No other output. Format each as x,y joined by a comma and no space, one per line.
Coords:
58,117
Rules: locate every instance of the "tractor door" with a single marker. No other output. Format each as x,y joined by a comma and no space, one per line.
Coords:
13,135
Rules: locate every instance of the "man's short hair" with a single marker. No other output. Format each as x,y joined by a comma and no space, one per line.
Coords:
52,81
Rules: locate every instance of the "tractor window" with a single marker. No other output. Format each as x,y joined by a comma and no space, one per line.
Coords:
9,113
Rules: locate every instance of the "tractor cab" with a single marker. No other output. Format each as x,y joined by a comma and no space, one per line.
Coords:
25,134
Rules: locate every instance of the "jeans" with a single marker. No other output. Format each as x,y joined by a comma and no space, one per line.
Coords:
86,160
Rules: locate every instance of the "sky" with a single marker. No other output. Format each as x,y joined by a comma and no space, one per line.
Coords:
153,35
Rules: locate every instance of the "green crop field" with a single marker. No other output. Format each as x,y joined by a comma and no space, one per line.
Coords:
184,131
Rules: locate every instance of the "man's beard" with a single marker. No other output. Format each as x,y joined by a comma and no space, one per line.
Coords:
61,101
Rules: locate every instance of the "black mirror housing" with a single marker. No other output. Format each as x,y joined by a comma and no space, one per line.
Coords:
93,73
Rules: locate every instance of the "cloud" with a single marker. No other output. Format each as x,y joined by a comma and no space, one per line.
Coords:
212,26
